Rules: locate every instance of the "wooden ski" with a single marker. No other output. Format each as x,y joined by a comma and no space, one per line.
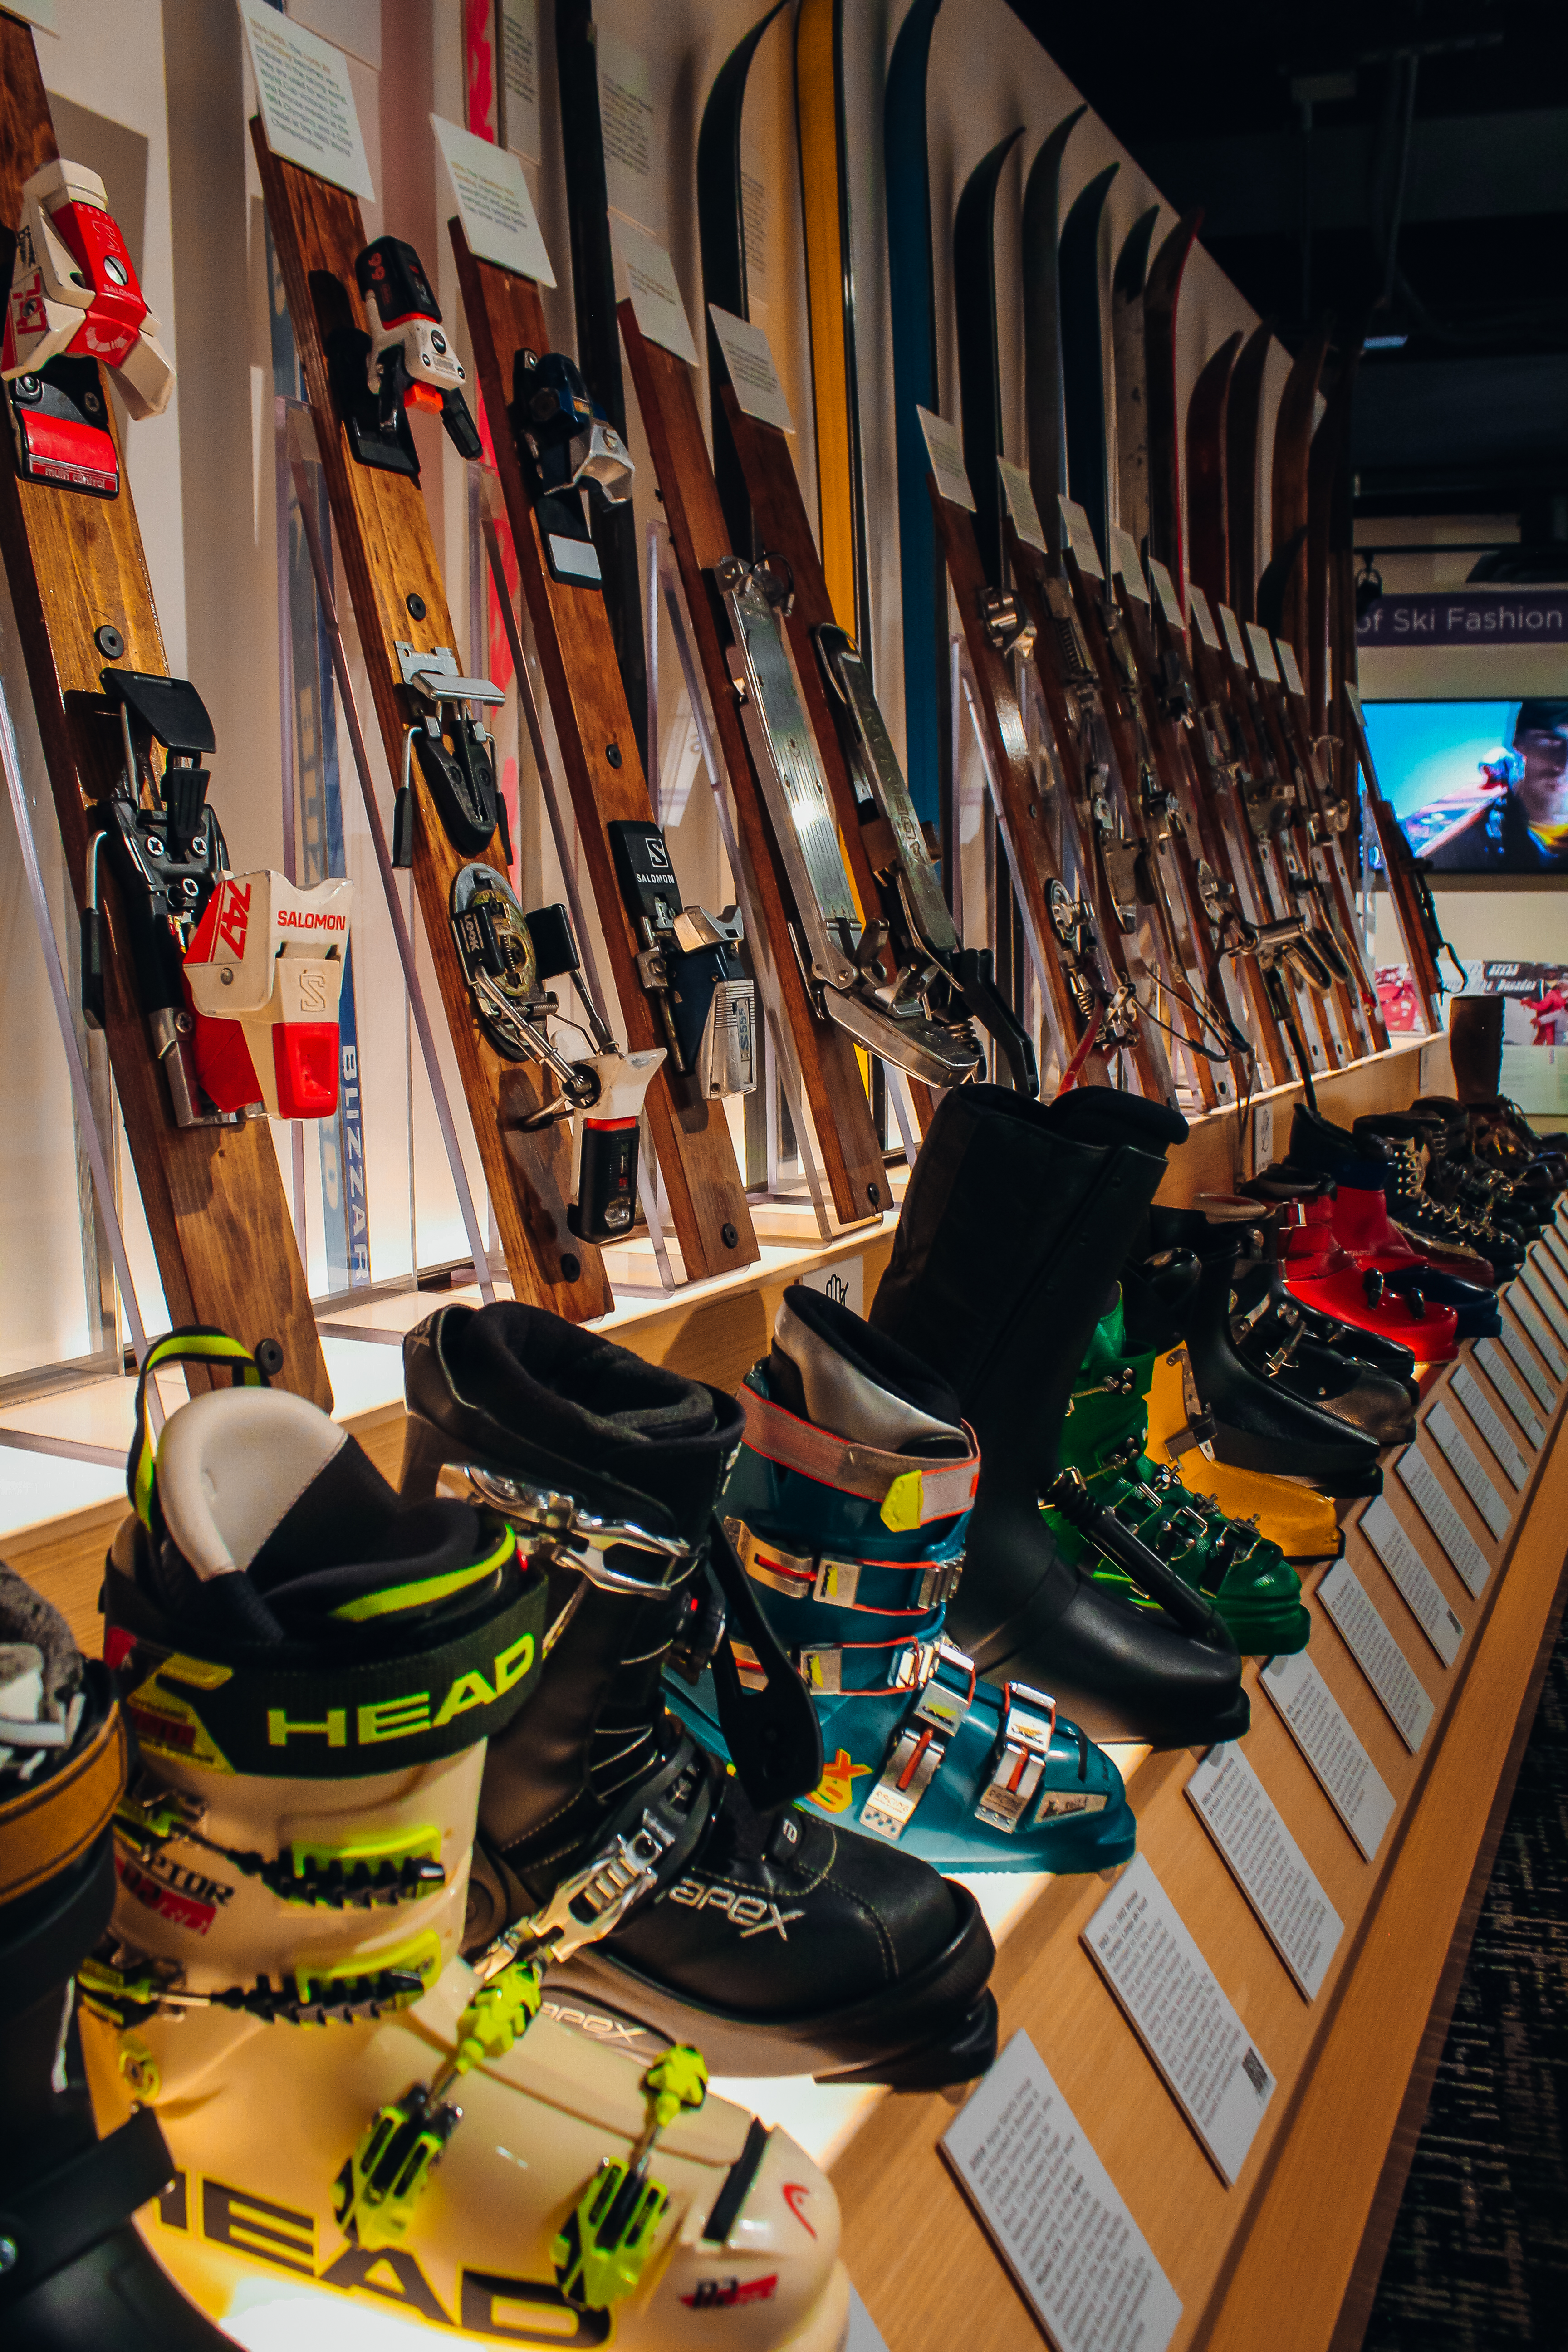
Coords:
1293,444
1130,369
593,725
830,1075
1407,884
1243,423
1167,539
389,559
831,303
213,1195
1207,546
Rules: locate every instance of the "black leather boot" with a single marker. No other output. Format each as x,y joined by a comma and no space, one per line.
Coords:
768,1937
76,2272
1259,1424
1013,1230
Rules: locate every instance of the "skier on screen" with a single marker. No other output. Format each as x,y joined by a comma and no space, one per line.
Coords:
1525,828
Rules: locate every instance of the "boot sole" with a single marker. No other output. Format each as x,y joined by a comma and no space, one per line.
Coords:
949,2039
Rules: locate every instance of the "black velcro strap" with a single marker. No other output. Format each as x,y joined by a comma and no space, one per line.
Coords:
53,2220
237,1707
773,1734
737,2186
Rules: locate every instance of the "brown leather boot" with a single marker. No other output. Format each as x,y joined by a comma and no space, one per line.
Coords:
1475,1041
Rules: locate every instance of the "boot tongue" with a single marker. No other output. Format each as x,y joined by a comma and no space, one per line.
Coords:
272,1516
834,1370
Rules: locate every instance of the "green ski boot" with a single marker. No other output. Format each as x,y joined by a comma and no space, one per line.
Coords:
1103,1463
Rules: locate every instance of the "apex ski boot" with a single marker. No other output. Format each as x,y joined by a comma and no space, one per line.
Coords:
1105,1440
847,1506
1016,1217
766,1936
313,1670
75,2274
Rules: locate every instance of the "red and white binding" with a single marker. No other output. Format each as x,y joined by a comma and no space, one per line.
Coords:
264,973
74,292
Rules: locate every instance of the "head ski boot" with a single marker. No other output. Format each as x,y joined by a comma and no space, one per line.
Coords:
1016,1217
355,2117
847,1506
75,2271
1104,1440
770,1939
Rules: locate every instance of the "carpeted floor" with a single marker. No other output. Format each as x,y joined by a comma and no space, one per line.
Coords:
1480,2252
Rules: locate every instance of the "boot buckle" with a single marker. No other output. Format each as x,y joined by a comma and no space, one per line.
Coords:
593,1902
1023,1750
910,1665
918,1752
799,1576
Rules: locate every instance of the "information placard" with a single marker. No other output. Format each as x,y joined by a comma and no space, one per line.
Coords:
493,203
1289,668
1262,659
1124,556
1165,589
945,450
1465,1464
1377,1654
1080,539
655,296
1415,1581
1237,651
1267,1863
1524,1307
1322,1731
1430,1496
754,378
1198,606
1541,1388
307,105
1490,1421
1489,1356
1551,1307
1026,2164
1021,506
1147,1956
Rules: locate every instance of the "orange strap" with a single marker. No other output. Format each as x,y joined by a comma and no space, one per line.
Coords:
44,1828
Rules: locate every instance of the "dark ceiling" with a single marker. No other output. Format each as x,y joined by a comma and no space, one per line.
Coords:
1401,164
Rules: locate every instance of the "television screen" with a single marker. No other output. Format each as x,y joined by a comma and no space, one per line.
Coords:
1478,787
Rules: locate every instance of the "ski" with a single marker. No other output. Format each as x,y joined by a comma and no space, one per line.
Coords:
891,858
823,138
1243,427
1293,444
598,345
802,937
1208,551
1082,352
1419,928
491,969
1167,538
676,992
911,291
1130,375
214,1204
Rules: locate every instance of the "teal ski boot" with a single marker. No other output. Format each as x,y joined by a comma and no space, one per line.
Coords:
847,1504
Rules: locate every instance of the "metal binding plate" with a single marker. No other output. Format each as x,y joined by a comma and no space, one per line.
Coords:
878,765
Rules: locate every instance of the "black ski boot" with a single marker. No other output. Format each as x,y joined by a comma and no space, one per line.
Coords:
1258,1424
75,2275
1015,1222
703,1905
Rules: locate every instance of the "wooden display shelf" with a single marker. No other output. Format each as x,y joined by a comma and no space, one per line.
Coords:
1289,2254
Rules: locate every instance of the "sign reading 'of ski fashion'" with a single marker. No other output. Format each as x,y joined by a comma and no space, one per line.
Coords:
1024,2162
1267,1863
307,105
1142,1946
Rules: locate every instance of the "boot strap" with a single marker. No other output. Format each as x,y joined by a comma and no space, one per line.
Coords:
54,2221
908,1494
914,1585
48,1825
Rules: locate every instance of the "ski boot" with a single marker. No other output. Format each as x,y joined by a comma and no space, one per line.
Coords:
847,1506
1324,1278
75,2272
1302,1522
1061,1189
1426,1206
758,1932
1363,1231
312,1671
1326,1364
1105,1440
1258,1424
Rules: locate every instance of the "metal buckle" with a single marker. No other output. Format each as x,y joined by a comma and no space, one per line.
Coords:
1023,1750
910,1665
553,1526
918,1752
605,1888
818,1576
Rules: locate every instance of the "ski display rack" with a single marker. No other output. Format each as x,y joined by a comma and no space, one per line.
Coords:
818,1058
576,651
213,1195
394,585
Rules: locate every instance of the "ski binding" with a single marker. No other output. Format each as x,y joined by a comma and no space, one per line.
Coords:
405,361
574,459
689,961
454,754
